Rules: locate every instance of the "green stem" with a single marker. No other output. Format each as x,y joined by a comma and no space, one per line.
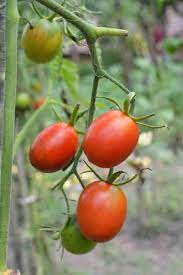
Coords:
93,99
101,31
90,118
74,115
27,127
52,16
83,26
66,201
111,170
152,126
11,27
79,179
90,31
62,181
116,82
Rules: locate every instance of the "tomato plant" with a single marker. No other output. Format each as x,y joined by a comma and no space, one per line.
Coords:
72,239
110,139
41,40
101,211
54,147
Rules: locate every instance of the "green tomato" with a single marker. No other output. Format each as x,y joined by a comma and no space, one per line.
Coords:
72,239
43,41
23,101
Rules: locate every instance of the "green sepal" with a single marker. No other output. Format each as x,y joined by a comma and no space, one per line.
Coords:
111,100
115,176
74,115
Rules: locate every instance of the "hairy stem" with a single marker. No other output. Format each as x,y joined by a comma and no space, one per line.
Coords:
11,26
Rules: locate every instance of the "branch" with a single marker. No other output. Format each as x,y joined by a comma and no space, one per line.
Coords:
102,31
89,30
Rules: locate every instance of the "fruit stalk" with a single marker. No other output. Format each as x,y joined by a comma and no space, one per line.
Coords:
11,27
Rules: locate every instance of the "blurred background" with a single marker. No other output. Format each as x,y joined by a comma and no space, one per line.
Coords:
149,61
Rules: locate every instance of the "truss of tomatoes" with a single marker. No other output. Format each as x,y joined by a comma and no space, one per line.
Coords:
102,205
109,140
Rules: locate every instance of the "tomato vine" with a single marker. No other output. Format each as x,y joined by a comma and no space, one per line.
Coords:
91,33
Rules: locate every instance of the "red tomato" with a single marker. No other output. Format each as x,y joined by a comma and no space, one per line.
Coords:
38,103
110,139
54,147
101,211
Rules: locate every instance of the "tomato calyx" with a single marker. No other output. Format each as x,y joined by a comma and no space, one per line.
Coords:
114,177
74,115
112,101
133,177
128,109
129,104
27,21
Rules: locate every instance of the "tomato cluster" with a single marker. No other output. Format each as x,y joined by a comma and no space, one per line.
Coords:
102,206
109,140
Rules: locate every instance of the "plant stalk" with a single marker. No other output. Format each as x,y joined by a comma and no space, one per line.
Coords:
11,27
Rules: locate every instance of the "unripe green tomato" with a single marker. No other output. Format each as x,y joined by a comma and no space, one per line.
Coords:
43,41
72,239
23,101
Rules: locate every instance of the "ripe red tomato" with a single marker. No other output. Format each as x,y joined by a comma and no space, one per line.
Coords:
54,147
42,42
38,103
110,139
101,211
72,239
